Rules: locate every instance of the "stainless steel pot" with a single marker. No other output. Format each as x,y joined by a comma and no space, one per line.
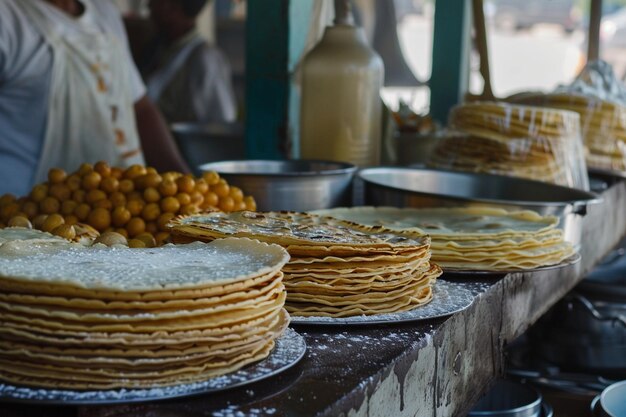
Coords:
611,402
420,187
290,185
509,399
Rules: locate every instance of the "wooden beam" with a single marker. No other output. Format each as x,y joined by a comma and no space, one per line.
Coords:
276,32
450,66
480,30
595,17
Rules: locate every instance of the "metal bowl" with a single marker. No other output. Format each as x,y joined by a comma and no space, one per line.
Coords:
509,399
200,143
290,185
420,187
613,400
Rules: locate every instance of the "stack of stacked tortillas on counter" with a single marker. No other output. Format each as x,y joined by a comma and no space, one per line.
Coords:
521,141
337,268
474,238
603,125
598,95
102,318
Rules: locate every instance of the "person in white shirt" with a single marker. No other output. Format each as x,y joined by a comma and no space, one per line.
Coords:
70,93
188,79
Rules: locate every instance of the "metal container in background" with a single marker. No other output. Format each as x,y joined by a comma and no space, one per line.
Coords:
421,187
202,143
290,185
509,399
586,331
412,148
611,402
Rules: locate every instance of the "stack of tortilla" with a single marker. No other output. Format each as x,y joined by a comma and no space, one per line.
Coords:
528,142
337,268
102,318
603,125
485,239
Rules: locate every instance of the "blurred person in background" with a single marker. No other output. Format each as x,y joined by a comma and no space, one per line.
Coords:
189,79
70,93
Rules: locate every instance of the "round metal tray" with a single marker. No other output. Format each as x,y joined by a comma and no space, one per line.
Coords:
469,273
448,298
289,349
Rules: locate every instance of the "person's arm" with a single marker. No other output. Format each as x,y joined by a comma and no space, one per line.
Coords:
158,145
211,91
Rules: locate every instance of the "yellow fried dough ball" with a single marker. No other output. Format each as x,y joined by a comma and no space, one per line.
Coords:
39,193
211,177
170,205
52,222
39,220
99,218
102,168
109,185
50,205
111,238
20,221
56,176
135,226
136,243
120,216
147,238
132,201
65,231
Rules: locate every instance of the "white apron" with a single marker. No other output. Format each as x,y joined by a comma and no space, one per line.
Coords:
91,115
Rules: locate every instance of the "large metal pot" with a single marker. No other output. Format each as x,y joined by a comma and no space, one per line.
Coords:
587,329
420,187
290,185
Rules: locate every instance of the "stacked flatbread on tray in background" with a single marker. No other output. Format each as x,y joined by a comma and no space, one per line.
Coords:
603,125
337,268
521,141
484,239
102,318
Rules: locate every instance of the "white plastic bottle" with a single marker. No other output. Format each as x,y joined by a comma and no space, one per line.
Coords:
341,107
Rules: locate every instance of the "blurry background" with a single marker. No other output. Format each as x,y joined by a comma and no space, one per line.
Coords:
533,44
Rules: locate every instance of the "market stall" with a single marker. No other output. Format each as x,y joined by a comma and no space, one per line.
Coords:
385,291
444,364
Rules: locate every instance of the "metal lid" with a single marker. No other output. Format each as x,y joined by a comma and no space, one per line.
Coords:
475,187
291,168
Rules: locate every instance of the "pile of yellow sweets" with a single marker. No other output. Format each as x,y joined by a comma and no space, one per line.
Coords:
112,205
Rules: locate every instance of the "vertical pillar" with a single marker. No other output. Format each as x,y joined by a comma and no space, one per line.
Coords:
450,65
595,18
276,32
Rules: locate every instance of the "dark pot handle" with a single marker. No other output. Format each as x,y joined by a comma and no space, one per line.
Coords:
588,305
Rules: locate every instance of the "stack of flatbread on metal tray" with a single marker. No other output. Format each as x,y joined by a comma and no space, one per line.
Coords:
521,141
486,239
337,268
603,125
102,318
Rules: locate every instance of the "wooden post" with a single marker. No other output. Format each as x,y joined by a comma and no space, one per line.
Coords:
480,29
595,17
276,31
451,45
